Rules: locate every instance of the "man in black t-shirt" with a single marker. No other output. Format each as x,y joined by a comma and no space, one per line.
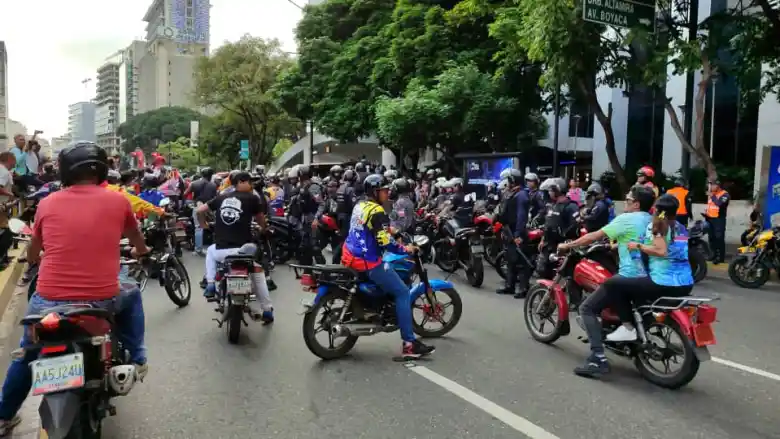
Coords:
203,190
234,212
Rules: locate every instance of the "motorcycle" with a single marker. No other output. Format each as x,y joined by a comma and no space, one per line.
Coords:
284,240
163,263
234,293
460,247
752,265
348,306
79,367
689,318
698,250
491,241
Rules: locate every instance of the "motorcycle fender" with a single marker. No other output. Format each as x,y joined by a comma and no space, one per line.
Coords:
702,353
436,285
58,412
322,290
559,296
682,319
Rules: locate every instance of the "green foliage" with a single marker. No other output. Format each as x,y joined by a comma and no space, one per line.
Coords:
238,80
281,147
182,155
165,124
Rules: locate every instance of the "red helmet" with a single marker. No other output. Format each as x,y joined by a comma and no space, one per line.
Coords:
645,171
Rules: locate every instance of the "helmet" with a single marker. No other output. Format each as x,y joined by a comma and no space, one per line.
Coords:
293,172
304,172
336,171
232,177
260,169
455,182
81,160
122,378
645,171
113,176
512,176
207,173
350,176
556,184
441,180
595,189
327,180
679,181
531,177
666,205
373,184
274,178
412,183
48,167
360,167
391,174
430,174
150,181
400,185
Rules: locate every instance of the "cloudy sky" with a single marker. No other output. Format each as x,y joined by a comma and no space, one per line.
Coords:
53,45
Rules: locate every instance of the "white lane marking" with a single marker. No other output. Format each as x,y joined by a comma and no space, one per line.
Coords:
748,369
518,423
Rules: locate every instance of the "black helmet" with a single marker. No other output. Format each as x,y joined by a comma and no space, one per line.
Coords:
207,173
512,176
373,184
666,205
150,181
336,171
400,185
595,189
83,160
350,176
304,172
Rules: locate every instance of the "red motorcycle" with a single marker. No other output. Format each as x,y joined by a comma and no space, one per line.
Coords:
689,318
528,251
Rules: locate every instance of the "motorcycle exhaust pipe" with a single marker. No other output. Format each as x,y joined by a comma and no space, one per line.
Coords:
356,329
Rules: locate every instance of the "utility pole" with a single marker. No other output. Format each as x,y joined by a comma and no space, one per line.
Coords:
556,125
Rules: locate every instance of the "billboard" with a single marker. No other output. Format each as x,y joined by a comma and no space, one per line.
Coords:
484,171
189,22
772,204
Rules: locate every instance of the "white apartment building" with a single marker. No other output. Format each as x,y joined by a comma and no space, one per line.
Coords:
58,144
107,100
81,121
5,131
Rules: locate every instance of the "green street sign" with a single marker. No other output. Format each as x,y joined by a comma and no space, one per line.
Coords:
620,13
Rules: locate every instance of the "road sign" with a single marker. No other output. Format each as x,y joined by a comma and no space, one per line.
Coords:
620,13
244,153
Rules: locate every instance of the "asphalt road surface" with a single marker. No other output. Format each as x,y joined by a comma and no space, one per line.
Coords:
488,379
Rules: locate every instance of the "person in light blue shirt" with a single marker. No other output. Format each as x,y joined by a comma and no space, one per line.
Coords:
20,154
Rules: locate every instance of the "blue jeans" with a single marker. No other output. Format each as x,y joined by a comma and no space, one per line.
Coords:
388,281
198,231
129,330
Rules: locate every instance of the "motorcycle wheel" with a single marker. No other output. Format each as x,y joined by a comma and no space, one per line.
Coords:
85,426
476,272
698,263
535,295
141,276
501,265
310,323
281,253
738,273
177,283
447,326
234,322
492,251
445,259
689,366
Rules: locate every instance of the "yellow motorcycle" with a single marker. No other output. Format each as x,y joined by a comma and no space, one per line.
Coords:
753,264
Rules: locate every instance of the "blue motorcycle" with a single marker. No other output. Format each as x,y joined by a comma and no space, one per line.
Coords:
348,306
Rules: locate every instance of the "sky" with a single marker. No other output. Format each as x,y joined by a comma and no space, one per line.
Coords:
53,45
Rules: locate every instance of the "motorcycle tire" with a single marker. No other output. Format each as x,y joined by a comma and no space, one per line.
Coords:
561,327
281,253
737,264
448,266
476,271
500,265
175,267
310,323
457,313
688,369
84,427
698,263
234,322
492,251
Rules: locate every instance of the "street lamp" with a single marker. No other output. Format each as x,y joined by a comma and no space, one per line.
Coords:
712,114
576,118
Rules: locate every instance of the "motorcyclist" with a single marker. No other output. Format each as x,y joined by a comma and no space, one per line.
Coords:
49,174
346,198
235,211
260,171
626,228
336,171
203,190
535,196
513,213
73,242
391,175
275,195
362,172
369,235
290,184
560,223
644,177
306,207
402,216
597,210
149,191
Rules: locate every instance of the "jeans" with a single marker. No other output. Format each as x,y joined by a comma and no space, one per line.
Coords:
259,280
198,231
388,281
129,330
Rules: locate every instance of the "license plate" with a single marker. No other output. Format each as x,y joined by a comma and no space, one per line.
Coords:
58,373
239,286
477,248
181,234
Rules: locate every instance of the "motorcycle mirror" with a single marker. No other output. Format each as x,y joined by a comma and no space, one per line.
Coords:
16,225
164,202
421,240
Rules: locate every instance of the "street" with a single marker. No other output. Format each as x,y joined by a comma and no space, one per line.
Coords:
489,379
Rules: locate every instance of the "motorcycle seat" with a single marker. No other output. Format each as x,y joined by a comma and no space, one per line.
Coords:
334,268
70,310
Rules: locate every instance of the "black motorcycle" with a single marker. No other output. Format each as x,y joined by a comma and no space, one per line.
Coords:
234,293
698,250
283,239
460,247
163,263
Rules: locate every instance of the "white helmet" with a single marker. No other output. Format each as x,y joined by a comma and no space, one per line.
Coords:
122,378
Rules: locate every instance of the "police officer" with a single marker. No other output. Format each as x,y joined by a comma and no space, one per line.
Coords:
402,217
597,211
535,196
560,223
683,195
717,209
513,213
306,207
346,198
336,172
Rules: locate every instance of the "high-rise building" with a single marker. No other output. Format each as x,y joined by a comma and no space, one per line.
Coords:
81,121
177,33
129,79
58,144
107,93
4,131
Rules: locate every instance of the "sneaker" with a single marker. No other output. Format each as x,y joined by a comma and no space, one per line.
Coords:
415,349
268,317
140,371
7,426
622,334
210,292
271,284
595,366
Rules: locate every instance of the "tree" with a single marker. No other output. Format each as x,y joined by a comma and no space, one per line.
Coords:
238,79
281,147
165,124
182,155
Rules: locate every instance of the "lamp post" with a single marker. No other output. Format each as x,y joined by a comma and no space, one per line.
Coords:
577,119
712,115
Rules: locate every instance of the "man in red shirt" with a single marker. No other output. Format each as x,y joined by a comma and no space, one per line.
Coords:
80,227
